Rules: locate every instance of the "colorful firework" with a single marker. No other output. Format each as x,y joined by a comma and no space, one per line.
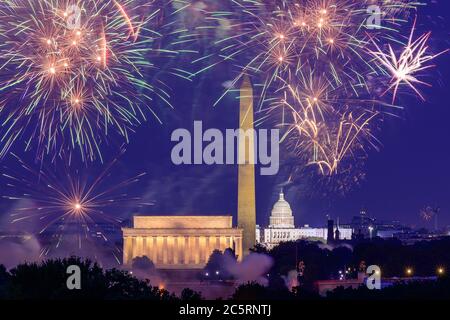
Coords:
322,135
429,212
273,40
75,72
412,60
64,203
317,73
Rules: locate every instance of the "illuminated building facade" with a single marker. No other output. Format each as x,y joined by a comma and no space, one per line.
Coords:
179,242
282,228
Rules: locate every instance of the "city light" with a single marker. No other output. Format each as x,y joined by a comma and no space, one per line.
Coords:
370,231
440,271
409,271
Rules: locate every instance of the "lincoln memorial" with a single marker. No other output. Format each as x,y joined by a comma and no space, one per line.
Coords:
183,242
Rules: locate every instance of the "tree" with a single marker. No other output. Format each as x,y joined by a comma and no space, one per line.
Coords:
190,295
47,280
217,266
416,290
5,278
256,291
143,263
143,267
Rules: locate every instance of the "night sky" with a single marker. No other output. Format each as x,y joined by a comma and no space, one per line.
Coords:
411,170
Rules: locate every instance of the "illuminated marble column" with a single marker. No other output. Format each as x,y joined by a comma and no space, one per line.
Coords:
230,242
180,249
134,248
208,245
139,246
213,243
202,249
197,250
223,243
149,247
192,249
144,247
187,255
159,249
218,242
128,250
154,252
165,251
172,252
238,241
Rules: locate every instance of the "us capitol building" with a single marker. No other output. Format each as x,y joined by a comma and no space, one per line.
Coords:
282,228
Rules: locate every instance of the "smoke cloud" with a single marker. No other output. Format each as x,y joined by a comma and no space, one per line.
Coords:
253,268
16,250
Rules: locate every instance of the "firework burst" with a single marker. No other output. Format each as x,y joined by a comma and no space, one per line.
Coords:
273,40
324,129
317,73
405,67
63,203
74,72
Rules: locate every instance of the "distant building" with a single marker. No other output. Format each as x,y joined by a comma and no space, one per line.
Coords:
258,234
387,234
282,228
361,224
369,227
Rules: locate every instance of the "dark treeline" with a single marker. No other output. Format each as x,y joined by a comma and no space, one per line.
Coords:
394,258
322,262
47,280
418,290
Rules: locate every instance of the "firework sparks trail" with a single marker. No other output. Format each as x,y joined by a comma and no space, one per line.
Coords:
319,134
312,63
411,61
274,40
64,202
69,86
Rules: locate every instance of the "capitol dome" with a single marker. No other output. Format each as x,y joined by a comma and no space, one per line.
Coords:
281,216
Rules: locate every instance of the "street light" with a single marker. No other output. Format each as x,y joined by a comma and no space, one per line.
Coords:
440,271
370,232
409,271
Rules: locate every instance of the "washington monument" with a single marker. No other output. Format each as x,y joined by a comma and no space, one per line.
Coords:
246,178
